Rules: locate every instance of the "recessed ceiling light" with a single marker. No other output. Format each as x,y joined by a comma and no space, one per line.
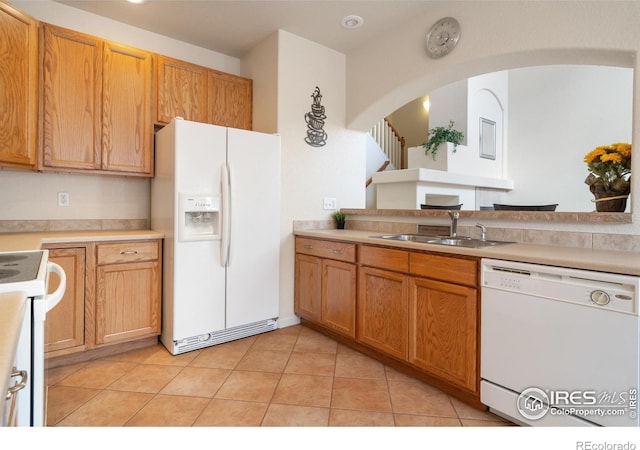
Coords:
352,21
136,1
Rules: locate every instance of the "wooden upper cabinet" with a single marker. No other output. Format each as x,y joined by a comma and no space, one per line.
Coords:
127,130
203,95
18,88
71,118
231,100
182,91
96,105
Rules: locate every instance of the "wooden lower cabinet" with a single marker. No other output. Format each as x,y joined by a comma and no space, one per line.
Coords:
308,290
420,309
443,320
338,296
64,327
125,301
325,285
127,291
383,310
113,296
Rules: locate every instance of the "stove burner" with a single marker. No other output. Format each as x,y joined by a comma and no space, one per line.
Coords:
19,267
11,258
5,273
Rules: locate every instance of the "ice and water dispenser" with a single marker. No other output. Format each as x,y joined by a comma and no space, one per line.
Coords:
199,217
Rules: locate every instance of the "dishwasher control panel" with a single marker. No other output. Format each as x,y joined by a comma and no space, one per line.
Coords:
614,292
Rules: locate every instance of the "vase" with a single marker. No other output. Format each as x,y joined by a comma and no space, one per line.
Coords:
609,197
340,224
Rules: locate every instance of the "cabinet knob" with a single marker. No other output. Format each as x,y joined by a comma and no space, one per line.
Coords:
337,252
308,247
128,252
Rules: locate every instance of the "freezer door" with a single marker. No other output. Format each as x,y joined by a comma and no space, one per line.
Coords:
194,294
254,253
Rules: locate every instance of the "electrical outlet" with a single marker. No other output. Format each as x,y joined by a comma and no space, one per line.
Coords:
63,199
330,203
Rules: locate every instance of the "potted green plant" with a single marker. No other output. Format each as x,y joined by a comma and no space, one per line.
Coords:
339,217
440,135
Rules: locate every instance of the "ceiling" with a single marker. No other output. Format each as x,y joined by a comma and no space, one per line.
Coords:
234,27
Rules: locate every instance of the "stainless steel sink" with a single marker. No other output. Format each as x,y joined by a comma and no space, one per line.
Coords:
406,237
466,242
451,241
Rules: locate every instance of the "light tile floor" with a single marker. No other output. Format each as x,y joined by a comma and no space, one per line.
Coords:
288,377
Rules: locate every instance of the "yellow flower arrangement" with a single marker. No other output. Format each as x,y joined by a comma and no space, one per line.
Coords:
610,162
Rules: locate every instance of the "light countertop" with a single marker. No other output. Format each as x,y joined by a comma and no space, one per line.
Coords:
12,242
627,263
12,307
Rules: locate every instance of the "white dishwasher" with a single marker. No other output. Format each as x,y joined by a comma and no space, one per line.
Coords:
559,347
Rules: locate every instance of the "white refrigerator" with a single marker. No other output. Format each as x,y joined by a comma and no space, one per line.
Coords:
216,197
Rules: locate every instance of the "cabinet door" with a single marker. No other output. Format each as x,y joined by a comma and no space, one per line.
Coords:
443,330
19,92
182,91
127,125
383,310
308,287
64,327
230,100
71,99
127,301
339,296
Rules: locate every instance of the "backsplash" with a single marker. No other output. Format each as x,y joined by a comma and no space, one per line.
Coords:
27,226
581,239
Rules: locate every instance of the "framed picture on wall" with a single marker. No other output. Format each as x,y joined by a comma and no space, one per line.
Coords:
487,138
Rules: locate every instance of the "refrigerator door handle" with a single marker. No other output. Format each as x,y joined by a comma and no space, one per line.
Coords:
225,239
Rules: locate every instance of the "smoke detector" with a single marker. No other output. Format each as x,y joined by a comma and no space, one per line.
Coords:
350,22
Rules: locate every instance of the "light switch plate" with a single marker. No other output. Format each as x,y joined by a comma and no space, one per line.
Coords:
63,199
330,203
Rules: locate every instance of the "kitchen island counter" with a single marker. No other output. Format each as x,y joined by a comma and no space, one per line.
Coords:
627,263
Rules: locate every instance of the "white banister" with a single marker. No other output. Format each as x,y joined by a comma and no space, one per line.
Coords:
390,142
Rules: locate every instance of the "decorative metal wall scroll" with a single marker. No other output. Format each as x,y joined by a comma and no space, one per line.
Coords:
316,136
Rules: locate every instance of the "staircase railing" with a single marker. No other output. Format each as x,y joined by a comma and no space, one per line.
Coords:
391,143
380,169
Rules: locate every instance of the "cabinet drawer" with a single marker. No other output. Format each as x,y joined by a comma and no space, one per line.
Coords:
444,268
384,258
340,251
127,251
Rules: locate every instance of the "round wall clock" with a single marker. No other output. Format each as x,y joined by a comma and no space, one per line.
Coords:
442,37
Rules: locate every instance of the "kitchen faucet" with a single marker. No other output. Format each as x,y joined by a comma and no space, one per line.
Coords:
454,222
483,231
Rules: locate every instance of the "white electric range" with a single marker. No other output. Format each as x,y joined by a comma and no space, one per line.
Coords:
28,272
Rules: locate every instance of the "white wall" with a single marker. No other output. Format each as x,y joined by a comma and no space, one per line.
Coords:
412,122
311,173
450,103
33,196
488,99
553,125
465,102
